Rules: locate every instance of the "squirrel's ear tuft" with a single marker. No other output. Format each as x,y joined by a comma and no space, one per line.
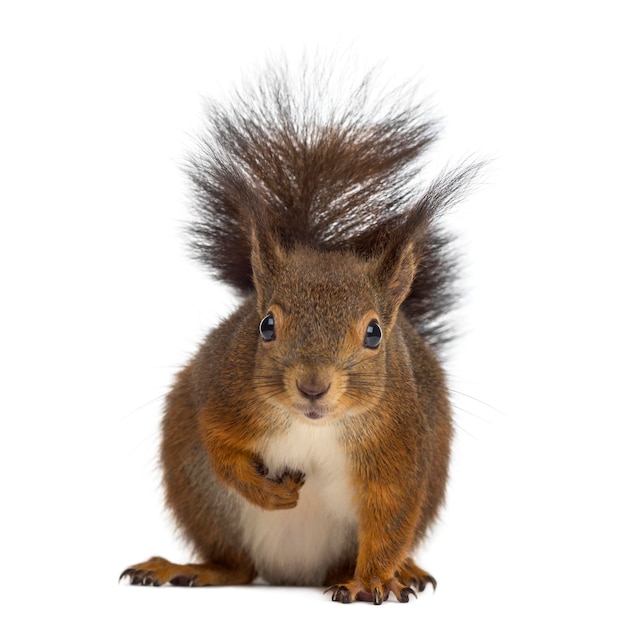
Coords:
267,260
395,272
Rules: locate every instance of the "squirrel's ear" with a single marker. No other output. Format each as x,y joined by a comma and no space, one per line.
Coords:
267,260
395,272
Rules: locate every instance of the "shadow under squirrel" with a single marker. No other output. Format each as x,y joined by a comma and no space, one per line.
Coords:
307,442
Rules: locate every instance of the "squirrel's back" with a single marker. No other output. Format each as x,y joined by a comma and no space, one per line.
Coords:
310,162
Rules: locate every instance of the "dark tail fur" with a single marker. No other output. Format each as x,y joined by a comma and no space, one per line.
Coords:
329,172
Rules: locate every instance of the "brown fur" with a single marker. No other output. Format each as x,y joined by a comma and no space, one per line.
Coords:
315,225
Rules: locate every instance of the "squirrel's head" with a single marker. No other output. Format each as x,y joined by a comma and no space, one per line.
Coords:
324,324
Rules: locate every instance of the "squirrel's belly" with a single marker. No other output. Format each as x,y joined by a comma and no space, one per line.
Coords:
298,546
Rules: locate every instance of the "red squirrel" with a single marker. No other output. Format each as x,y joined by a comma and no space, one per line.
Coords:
308,440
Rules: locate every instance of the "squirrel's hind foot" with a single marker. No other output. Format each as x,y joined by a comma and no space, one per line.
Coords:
158,571
409,573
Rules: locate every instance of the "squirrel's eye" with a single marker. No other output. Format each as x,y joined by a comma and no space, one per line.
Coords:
267,328
373,335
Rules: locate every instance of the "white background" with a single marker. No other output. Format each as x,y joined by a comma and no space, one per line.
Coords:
101,304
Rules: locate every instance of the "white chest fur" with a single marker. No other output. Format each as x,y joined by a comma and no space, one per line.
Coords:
298,546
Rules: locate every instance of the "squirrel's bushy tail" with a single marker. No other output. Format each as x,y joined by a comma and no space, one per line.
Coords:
327,170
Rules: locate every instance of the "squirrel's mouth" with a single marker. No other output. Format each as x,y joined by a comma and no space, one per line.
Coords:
313,415
314,412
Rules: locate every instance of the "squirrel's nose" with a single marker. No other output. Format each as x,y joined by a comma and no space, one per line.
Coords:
312,391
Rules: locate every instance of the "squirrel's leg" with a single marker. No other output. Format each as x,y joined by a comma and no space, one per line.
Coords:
387,523
158,571
243,470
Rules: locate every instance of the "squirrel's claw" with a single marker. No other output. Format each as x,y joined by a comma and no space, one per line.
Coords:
422,582
340,593
415,576
401,593
377,596
404,594
140,577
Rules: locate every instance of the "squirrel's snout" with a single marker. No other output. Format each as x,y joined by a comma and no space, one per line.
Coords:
313,391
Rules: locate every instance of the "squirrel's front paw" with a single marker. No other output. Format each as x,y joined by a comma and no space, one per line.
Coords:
372,591
280,492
